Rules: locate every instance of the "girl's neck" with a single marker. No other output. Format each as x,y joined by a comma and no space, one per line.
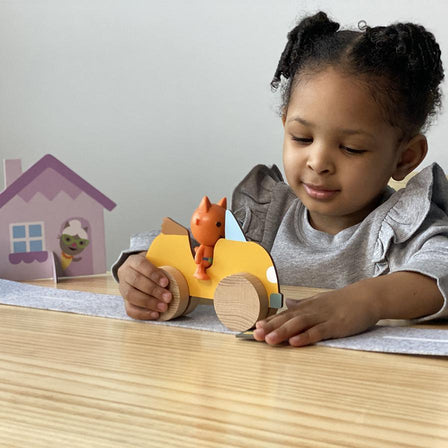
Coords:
330,224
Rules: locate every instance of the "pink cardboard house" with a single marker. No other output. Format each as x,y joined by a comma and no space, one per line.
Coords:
51,220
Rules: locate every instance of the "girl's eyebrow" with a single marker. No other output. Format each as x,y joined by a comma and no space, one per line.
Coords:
301,121
343,131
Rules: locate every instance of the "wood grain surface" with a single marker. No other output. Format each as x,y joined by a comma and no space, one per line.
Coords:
68,380
240,301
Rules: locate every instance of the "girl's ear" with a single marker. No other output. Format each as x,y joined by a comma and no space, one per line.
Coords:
411,155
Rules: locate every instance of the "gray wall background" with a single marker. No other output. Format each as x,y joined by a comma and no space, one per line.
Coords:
157,103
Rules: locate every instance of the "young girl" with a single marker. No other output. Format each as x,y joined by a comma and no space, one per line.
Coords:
354,106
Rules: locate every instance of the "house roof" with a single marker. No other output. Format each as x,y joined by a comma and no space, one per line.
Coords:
49,161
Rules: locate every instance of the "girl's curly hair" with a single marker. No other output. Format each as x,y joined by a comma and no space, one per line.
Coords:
399,63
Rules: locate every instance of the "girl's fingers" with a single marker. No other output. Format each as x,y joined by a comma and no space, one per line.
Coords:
273,322
140,313
290,328
275,332
311,336
142,265
264,327
140,299
148,286
292,305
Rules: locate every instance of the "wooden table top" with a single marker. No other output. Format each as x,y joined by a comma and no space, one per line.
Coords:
70,380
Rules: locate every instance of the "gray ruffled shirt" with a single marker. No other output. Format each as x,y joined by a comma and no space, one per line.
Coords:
408,231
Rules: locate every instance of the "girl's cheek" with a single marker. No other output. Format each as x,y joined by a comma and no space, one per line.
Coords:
292,162
287,156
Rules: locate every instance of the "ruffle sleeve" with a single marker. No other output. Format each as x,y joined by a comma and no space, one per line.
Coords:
259,203
412,232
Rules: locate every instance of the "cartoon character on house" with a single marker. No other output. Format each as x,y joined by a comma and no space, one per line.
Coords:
50,219
72,242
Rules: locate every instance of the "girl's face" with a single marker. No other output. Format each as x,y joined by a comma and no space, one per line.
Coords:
338,153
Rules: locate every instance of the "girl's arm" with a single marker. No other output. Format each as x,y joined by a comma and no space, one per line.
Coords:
406,295
353,309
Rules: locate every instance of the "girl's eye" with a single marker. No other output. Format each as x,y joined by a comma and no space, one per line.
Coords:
352,150
302,140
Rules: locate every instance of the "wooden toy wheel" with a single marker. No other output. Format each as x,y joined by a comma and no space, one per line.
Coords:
179,289
240,300
192,304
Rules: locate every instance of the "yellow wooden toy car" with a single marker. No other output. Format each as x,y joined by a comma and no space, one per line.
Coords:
243,281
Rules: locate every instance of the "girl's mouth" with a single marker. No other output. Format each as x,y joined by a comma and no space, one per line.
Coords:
319,192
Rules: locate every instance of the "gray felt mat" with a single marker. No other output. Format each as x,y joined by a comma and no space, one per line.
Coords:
380,339
101,305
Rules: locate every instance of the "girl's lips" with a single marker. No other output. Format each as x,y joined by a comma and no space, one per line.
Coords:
318,192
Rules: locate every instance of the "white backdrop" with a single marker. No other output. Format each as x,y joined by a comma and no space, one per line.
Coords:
157,103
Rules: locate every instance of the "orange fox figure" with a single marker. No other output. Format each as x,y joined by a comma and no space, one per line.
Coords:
207,226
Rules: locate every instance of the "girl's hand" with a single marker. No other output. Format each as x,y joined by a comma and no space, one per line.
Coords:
143,287
333,314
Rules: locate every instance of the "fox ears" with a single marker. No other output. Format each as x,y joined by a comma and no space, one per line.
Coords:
205,204
223,203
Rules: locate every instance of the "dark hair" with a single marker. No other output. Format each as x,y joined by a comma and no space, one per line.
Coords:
399,63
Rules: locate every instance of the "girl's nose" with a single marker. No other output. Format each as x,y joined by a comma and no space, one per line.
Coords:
319,160
74,245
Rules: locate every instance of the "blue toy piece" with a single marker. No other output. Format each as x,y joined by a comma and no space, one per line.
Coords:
232,228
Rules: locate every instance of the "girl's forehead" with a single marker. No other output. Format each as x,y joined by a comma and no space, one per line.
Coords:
332,94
